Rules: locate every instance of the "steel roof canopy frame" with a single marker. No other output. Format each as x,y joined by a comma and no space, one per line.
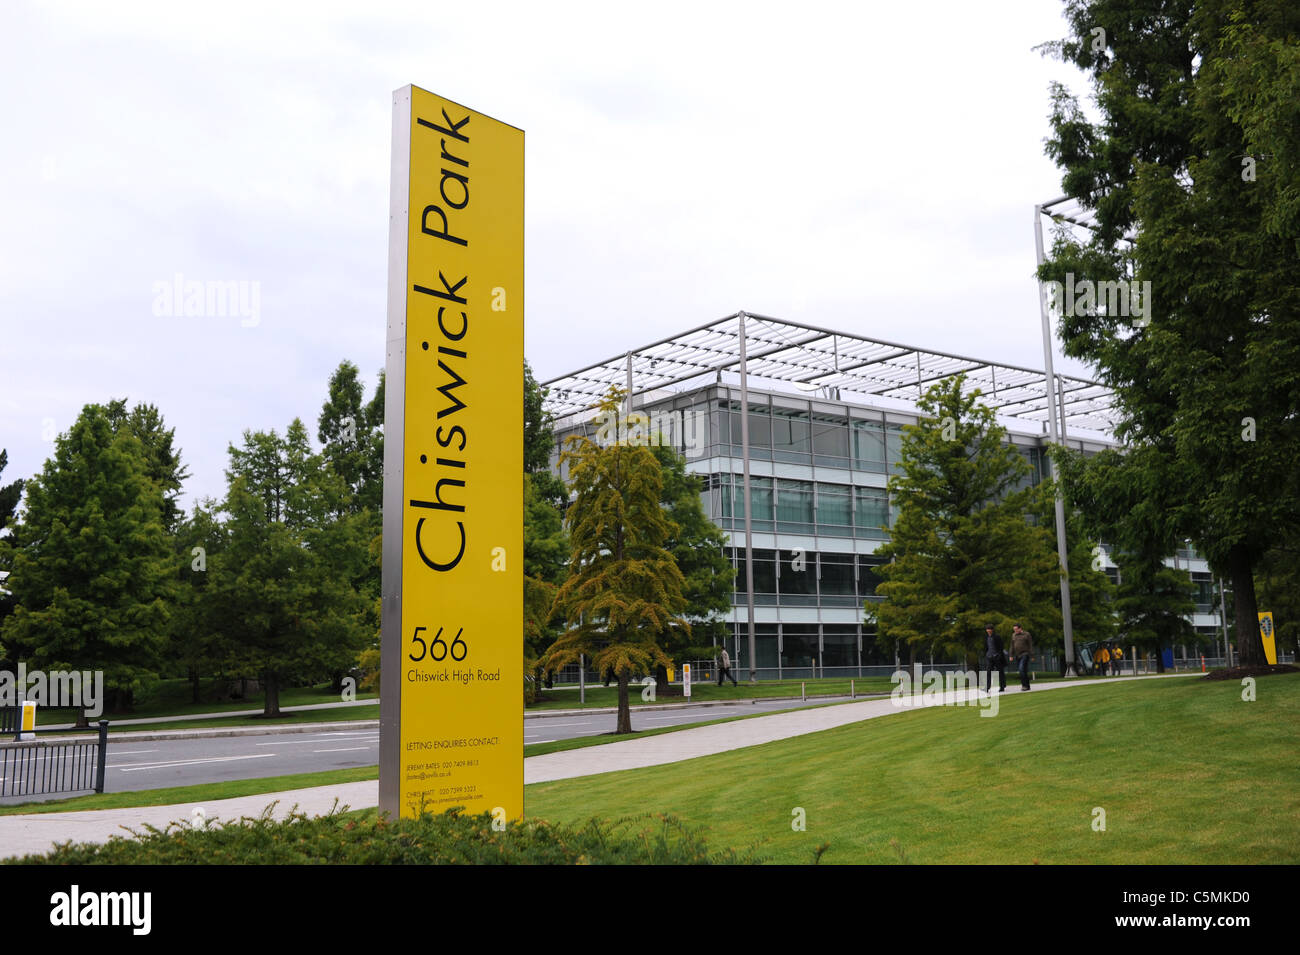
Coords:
807,357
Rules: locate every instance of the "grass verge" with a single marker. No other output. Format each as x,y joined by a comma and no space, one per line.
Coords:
204,792
1184,771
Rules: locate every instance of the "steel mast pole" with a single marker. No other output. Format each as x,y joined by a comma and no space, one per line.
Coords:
749,528
1049,380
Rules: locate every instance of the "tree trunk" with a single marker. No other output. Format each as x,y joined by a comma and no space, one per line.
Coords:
662,686
336,682
272,689
195,688
624,709
1250,647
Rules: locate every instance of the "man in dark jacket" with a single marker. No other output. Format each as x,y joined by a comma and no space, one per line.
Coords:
1022,645
993,653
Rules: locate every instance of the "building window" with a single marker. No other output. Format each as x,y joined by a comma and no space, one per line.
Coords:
835,509
869,446
830,440
838,587
794,505
798,645
894,447
798,587
839,645
790,435
871,512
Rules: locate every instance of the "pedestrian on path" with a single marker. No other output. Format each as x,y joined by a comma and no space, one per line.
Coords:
1022,645
995,657
725,669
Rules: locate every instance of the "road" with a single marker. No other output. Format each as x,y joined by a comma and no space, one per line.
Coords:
155,764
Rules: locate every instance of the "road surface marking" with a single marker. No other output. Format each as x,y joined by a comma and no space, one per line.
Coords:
131,768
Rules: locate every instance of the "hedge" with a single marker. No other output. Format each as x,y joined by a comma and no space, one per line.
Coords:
451,838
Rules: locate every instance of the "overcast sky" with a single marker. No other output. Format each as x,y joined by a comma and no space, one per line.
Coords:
869,167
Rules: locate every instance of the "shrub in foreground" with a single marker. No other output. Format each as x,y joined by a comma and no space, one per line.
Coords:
447,839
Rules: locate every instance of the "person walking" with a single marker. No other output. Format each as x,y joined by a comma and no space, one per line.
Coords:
995,657
1022,645
725,669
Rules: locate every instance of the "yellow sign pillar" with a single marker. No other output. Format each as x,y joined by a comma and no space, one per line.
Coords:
1268,637
451,714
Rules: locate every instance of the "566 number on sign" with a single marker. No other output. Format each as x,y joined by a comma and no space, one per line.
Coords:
438,649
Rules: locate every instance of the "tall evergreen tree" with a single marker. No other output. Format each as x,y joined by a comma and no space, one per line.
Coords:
286,578
162,461
195,642
961,554
1194,154
350,430
92,569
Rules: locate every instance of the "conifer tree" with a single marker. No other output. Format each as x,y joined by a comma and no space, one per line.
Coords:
624,591
92,566
286,580
961,553
1194,156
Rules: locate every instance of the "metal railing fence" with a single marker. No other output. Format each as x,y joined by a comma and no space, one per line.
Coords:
40,767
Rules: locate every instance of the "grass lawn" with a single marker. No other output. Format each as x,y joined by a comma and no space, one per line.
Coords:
1185,771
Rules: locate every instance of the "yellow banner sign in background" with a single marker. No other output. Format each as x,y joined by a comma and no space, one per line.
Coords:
1267,636
452,698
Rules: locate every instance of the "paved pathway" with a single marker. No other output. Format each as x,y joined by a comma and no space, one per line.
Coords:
25,834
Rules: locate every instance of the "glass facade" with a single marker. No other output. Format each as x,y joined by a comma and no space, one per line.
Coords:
818,474
804,578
